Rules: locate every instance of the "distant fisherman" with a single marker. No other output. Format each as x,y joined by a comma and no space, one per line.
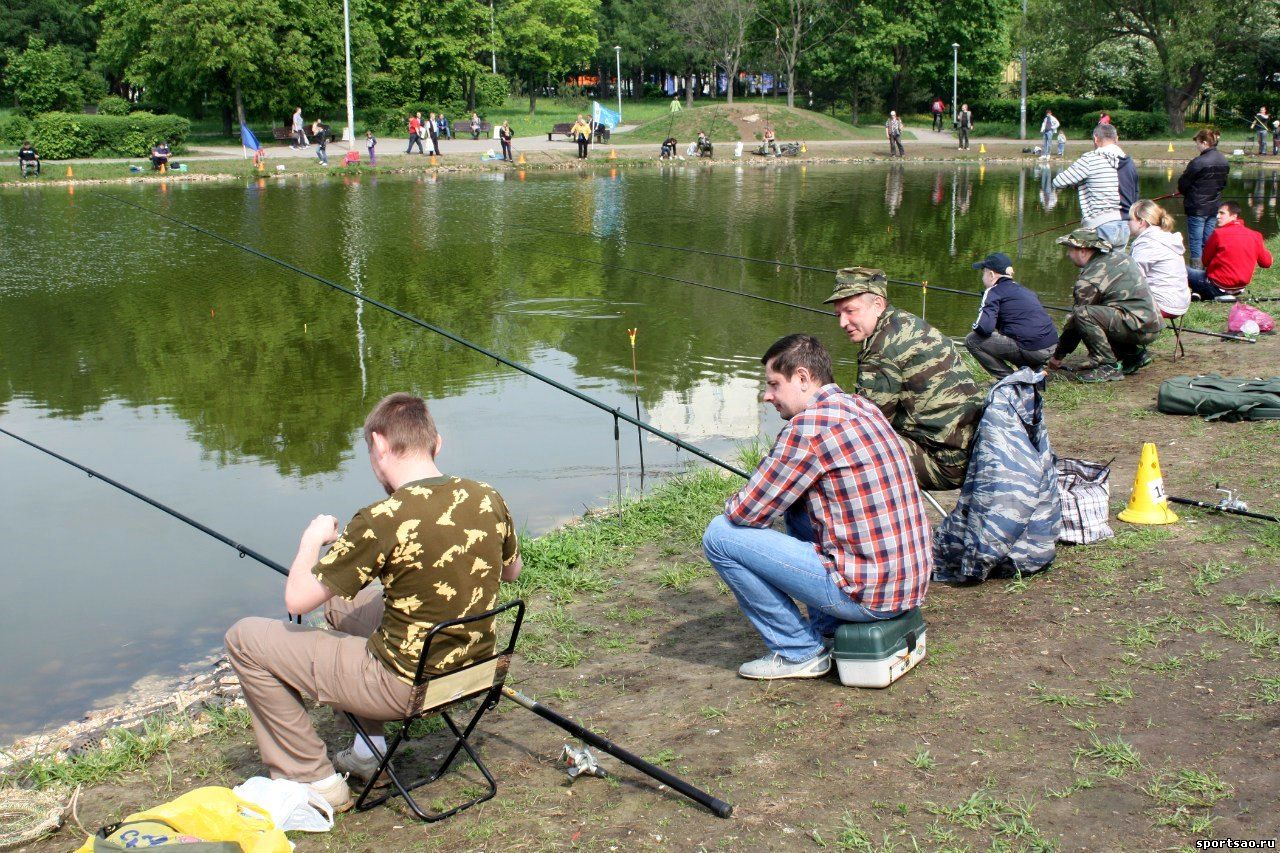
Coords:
1114,314
913,374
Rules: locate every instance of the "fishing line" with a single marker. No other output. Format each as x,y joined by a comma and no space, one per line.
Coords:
923,285
515,365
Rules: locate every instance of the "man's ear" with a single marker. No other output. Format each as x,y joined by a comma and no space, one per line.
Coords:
380,444
802,373
435,454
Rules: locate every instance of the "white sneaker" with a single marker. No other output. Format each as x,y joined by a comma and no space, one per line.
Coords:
774,666
346,761
334,791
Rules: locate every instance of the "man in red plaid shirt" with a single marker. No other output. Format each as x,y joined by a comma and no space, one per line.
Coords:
858,546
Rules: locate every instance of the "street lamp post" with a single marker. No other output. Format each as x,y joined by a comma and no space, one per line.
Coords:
349,134
617,56
955,72
493,40
1022,106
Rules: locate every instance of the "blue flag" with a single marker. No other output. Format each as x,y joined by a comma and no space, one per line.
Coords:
604,117
247,139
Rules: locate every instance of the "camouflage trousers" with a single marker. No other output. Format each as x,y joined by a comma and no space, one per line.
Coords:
936,470
1109,334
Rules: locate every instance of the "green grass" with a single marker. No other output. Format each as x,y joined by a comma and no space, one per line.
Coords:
121,751
1184,798
922,760
717,119
681,577
1117,754
1044,696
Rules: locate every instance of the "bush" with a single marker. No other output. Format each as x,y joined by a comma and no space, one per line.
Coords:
59,136
386,91
491,91
44,78
113,105
1132,124
1072,112
15,129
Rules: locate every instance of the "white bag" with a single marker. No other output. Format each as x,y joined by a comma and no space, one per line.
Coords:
292,805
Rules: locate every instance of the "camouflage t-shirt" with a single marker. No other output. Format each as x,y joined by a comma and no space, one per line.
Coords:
917,379
438,546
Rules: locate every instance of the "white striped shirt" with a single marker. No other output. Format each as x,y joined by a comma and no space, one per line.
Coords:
1095,173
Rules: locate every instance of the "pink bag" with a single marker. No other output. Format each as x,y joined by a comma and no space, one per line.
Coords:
1242,313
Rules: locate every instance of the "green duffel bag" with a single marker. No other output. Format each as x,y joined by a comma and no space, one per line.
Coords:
1215,397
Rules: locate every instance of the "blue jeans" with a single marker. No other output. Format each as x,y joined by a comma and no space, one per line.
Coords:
1048,143
1198,281
769,572
1116,233
1198,230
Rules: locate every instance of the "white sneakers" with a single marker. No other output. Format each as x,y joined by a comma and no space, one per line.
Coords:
333,791
773,666
360,767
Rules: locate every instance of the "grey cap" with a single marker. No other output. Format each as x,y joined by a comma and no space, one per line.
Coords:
851,281
1085,238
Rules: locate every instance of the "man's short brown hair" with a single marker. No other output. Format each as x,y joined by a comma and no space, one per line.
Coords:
405,422
795,351
1233,207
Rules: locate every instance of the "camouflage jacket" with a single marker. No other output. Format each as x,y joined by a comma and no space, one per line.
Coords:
1115,280
916,378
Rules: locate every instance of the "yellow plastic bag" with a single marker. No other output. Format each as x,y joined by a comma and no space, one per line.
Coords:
216,814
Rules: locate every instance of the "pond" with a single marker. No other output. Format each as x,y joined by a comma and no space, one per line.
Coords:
234,390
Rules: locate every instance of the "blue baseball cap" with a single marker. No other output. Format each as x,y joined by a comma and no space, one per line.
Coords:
997,262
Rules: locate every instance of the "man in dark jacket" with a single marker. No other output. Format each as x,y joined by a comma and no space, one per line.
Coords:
1013,330
1200,186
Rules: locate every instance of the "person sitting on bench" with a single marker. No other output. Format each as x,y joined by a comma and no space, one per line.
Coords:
28,159
160,155
858,546
437,546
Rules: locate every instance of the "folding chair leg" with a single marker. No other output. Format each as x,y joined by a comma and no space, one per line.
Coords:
1178,350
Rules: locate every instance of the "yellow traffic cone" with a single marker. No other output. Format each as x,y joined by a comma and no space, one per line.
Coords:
1170,147
982,148
804,149
70,174
433,159
521,161
613,154
1147,501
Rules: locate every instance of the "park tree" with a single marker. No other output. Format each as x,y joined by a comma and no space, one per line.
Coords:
1189,38
441,41
799,26
856,61
65,23
720,30
43,77
545,38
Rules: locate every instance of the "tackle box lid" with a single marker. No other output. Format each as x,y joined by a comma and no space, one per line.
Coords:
880,639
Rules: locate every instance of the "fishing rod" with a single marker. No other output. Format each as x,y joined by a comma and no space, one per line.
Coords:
718,807
1064,225
921,284
1221,508
617,413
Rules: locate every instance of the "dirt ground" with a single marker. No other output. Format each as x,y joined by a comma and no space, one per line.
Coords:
1127,699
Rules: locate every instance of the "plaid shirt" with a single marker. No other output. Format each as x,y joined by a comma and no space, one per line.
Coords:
843,459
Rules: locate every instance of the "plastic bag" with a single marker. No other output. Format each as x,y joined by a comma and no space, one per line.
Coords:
292,805
1242,313
215,814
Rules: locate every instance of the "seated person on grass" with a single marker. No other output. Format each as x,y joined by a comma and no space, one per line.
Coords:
858,546
160,155
28,159
436,547
1230,255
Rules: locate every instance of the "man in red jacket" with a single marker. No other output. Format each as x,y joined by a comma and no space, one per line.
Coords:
1229,257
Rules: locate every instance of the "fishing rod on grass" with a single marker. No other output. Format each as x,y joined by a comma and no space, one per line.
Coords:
717,807
923,285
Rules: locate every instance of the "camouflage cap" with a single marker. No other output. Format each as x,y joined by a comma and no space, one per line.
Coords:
851,281
1085,238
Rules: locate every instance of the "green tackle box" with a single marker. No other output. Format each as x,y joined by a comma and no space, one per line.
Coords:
876,654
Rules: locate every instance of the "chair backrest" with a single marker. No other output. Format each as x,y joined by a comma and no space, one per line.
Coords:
435,690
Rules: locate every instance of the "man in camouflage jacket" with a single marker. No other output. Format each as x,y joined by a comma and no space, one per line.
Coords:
913,374
1113,313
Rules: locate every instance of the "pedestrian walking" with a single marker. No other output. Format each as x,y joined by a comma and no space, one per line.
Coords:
1062,143
1048,129
964,124
675,104
371,142
299,135
581,132
1275,137
893,131
1261,126
938,109
504,137
320,133
1200,186
415,133
433,130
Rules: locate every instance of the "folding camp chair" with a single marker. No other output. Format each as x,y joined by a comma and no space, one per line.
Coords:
434,694
1176,323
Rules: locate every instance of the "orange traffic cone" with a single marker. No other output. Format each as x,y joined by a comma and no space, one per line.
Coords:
1147,501
521,161
70,174
433,159
164,168
613,154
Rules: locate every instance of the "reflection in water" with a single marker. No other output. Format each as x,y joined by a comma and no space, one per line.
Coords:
235,391
1048,193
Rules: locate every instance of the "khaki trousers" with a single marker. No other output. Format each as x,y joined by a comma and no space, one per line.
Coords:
280,662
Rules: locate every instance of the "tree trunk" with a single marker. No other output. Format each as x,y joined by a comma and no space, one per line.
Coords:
854,103
226,120
470,88
533,96
1178,98
732,74
239,106
688,85
791,85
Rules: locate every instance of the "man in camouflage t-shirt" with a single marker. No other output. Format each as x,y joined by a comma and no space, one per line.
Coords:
913,374
437,546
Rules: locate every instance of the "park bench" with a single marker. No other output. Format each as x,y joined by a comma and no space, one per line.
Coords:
282,134
602,133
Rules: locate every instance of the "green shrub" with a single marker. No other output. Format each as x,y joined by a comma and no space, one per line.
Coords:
15,129
386,91
44,78
1072,112
59,136
1132,124
491,91
113,105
